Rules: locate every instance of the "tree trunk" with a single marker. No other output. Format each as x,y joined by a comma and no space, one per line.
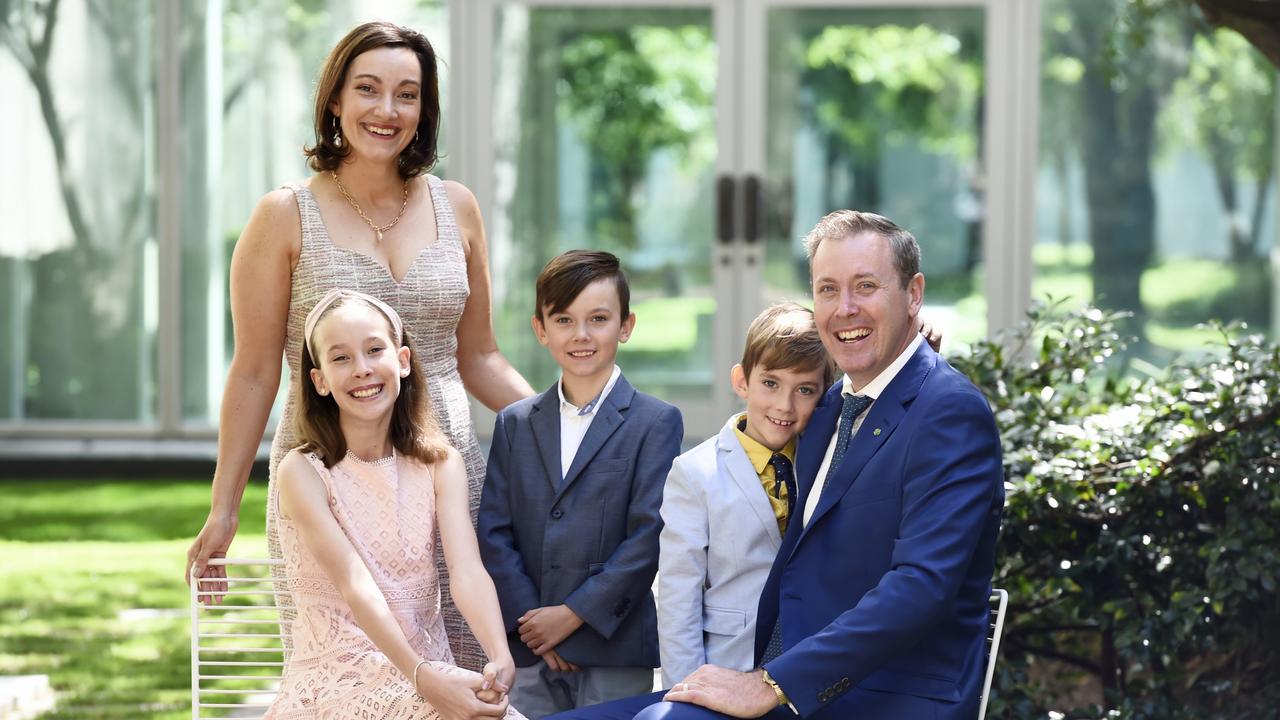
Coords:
1117,137
1112,680
1117,134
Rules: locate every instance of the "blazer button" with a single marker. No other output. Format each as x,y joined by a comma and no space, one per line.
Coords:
844,683
557,513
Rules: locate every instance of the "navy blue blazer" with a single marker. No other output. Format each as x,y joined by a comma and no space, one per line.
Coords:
589,540
883,594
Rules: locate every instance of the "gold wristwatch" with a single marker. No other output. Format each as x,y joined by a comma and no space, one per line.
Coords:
777,690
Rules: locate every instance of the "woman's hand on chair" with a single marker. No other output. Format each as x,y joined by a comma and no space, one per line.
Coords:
212,542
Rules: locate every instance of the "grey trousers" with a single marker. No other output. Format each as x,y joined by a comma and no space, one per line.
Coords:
539,691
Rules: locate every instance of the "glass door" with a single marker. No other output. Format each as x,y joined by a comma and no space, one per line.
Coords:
890,107
700,140
605,136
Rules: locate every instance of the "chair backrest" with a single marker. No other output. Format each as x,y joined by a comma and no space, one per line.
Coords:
999,602
237,655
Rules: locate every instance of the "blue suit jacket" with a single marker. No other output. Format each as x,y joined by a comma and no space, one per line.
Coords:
883,594
589,540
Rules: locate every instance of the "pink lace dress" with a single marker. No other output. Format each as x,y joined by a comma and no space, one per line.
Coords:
387,510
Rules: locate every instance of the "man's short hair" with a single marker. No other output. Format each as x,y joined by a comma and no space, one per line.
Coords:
848,223
569,273
785,337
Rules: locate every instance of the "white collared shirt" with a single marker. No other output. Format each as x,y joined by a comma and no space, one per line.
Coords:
872,390
575,421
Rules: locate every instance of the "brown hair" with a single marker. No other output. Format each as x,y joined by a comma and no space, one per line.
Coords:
569,273
845,223
414,430
785,337
421,153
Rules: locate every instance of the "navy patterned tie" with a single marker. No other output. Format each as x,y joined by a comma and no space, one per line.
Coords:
784,476
853,406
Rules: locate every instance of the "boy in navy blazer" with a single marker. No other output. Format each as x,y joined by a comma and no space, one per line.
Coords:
728,501
569,519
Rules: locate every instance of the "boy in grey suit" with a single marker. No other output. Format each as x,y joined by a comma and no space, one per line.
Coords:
727,501
568,525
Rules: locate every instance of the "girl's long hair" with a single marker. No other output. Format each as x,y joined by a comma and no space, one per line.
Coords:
415,431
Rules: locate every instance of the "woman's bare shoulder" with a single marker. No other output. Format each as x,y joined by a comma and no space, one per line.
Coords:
274,217
465,207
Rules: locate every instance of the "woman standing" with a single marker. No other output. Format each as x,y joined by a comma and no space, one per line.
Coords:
371,219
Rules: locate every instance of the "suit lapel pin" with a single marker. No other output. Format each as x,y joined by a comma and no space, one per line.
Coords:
876,432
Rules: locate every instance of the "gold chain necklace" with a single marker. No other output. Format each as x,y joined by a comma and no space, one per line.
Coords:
377,229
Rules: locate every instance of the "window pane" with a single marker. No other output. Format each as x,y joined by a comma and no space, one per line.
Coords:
605,139
77,215
1156,189
248,99
880,110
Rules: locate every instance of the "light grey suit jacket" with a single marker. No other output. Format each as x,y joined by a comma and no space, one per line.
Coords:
718,542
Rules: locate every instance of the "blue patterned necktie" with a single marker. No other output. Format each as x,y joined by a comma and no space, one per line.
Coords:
784,476
853,406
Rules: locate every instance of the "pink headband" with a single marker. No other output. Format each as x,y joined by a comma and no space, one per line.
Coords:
397,327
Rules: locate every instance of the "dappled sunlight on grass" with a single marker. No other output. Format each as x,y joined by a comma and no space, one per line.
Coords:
1201,338
667,324
78,556
1184,281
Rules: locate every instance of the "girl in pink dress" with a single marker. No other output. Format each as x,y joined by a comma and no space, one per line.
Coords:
357,508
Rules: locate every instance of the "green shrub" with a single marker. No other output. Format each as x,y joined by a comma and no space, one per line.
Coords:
1139,543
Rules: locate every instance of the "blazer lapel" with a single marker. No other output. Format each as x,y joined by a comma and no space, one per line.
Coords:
813,443
879,424
744,476
545,422
608,417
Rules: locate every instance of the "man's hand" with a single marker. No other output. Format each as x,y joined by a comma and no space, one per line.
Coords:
736,694
546,627
557,663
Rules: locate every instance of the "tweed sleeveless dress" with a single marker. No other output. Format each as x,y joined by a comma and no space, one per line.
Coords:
430,300
386,508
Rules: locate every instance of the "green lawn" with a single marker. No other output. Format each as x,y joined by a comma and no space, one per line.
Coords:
91,590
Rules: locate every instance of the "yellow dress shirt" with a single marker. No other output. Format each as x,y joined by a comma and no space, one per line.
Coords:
759,455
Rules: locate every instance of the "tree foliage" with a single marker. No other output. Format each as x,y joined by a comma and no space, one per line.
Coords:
865,86
1225,106
630,93
1258,21
1139,544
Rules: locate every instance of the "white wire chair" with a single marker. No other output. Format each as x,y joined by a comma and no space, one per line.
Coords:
999,603
237,651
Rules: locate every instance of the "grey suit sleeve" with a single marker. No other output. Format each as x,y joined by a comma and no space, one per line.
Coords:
682,575
517,592
605,599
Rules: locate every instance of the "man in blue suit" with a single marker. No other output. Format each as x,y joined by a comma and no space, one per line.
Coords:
876,607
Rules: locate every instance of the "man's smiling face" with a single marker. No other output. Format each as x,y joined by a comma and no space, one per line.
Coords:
865,316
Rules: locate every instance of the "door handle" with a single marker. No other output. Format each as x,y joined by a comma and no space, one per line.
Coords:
751,207
724,210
